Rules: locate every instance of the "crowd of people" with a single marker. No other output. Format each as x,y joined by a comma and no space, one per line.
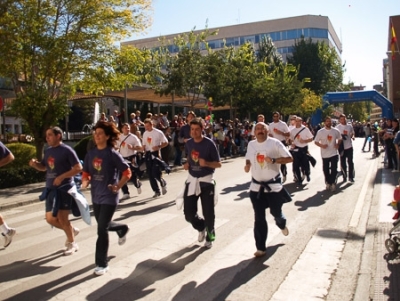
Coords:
121,152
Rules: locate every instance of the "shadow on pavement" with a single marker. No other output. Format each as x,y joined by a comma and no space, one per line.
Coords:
222,283
145,274
144,211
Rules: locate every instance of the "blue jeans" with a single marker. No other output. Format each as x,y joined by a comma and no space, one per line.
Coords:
266,200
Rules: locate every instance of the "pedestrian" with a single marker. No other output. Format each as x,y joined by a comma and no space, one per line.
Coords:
300,136
368,136
279,130
263,158
128,145
346,148
6,156
61,164
329,139
101,168
202,160
153,141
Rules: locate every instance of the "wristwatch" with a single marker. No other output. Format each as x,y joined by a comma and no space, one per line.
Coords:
273,160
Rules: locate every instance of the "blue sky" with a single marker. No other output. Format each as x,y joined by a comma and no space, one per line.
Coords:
362,25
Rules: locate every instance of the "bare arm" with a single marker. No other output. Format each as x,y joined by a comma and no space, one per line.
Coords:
7,159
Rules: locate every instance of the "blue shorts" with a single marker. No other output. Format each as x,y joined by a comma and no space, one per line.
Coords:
65,201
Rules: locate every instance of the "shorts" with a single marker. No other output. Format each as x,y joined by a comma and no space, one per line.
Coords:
65,201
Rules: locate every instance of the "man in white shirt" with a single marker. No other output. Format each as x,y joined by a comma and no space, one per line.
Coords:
300,136
128,145
329,139
263,157
279,130
347,132
153,141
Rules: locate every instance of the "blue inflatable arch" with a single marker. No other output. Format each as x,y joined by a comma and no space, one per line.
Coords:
355,96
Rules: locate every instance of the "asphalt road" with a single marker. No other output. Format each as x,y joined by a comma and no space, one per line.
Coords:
323,258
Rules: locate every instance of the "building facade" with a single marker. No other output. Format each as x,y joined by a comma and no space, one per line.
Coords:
283,32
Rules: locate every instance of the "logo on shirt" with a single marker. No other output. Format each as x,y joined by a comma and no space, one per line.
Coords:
123,144
50,162
97,163
149,140
260,159
329,138
195,155
345,132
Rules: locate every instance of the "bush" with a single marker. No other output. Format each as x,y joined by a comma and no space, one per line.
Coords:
23,153
18,172
20,176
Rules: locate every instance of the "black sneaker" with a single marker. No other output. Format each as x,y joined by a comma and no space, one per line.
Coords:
156,195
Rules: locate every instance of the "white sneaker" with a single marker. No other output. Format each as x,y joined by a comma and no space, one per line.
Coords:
333,187
139,189
8,237
202,235
125,197
328,186
283,179
76,232
71,248
122,239
208,244
100,271
285,231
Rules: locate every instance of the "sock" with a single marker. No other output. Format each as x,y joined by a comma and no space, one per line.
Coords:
4,228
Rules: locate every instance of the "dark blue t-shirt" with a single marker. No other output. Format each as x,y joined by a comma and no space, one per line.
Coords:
59,160
205,149
104,166
185,132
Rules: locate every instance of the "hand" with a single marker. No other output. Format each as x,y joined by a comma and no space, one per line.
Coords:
202,162
156,148
113,188
247,167
186,166
33,162
85,183
57,181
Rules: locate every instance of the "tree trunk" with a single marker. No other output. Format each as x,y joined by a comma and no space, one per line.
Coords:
39,145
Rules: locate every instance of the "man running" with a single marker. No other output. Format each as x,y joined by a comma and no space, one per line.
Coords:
61,163
279,130
263,157
202,160
8,233
153,141
347,132
328,139
128,145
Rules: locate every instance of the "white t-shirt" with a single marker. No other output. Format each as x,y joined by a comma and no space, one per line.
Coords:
153,138
281,126
330,137
261,170
348,131
304,134
124,141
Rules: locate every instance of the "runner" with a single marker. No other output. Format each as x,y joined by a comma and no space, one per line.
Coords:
102,167
263,157
62,164
202,160
8,233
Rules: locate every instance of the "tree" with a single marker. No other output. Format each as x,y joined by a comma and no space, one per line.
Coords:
319,63
48,45
184,72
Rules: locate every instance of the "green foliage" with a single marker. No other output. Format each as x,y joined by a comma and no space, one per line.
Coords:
319,63
18,172
50,47
22,153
